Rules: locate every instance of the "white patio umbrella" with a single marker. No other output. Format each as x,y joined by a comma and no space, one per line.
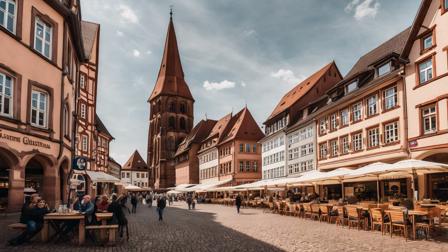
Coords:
412,167
334,176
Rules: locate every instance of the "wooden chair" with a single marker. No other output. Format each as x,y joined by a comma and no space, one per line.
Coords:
300,211
377,219
324,215
281,207
341,218
307,210
289,209
398,219
353,217
314,211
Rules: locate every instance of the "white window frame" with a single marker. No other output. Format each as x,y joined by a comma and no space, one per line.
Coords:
426,39
46,29
83,111
391,134
323,126
390,99
40,95
357,142
334,148
7,14
84,143
429,117
426,72
345,145
357,114
82,81
373,136
345,117
381,70
352,86
4,96
372,105
334,121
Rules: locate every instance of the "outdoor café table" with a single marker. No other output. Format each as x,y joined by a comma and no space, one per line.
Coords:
64,217
428,205
103,217
412,214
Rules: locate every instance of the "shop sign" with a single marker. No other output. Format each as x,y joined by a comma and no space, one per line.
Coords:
25,140
79,163
413,143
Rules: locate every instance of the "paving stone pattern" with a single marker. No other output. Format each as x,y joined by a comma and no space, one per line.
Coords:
220,228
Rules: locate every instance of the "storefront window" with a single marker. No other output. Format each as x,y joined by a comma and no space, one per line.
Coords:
439,186
395,189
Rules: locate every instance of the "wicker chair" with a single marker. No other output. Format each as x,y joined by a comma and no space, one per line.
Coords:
377,219
314,211
341,218
353,217
307,213
398,219
324,215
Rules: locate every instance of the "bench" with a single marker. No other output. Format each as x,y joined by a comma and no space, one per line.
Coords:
19,226
112,230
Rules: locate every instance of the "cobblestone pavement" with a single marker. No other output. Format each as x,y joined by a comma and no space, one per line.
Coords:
220,228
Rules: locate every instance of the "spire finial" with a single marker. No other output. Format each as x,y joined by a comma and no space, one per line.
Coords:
171,11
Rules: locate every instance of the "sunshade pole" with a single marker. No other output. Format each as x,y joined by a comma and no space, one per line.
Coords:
378,188
342,190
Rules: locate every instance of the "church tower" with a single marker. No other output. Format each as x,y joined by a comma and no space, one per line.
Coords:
171,114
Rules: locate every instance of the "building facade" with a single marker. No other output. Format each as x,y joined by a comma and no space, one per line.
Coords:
301,146
187,162
363,121
427,93
171,115
114,168
231,154
41,51
292,108
135,171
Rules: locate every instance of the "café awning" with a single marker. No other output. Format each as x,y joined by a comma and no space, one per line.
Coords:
205,186
101,177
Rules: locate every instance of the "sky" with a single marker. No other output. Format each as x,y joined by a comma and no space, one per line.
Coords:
234,53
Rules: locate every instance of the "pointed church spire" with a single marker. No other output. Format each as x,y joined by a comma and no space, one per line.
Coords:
170,80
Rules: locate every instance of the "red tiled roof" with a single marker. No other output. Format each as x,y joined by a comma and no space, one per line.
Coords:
243,126
171,76
298,91
197,135
135,162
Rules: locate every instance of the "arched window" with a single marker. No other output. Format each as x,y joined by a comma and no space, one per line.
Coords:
183,108
182,124
172,107
66,121
172,122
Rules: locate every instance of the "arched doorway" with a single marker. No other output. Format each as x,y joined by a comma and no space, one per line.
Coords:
34,177
438,182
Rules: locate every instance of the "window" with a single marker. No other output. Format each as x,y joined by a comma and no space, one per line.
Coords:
6,95
248,166
345,145
172,107
241,166
127,174
254,148
8,14
247,147
39,108
445,5
427,41
372,108
85,143
333,122
171,123
429,119
82,81
384,69
344,117
138,174
391,132
351,87
334,148
43,37
323,151
425,71
357,112
323,126
83,111
183,108
357,141
255,166
182,123
241,147
390,98
373,137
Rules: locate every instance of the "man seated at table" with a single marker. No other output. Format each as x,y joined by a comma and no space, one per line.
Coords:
33,216
85,207
103,204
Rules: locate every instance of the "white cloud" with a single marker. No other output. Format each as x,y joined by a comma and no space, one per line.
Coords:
127,14
119,33
136,53
225,84
250,32
286,75
148,52
363,8
243,84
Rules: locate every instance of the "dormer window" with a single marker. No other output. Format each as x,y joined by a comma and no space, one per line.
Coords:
427,42
351,87
384,69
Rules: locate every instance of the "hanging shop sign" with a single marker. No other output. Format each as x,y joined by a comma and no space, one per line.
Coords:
79,163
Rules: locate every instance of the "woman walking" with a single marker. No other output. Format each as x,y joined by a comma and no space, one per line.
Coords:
238,203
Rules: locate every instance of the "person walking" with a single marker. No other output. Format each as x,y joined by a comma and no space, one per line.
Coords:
161,204
134,202
238,203
189,201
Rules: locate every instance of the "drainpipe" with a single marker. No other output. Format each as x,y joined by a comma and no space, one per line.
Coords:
61,116
405,112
